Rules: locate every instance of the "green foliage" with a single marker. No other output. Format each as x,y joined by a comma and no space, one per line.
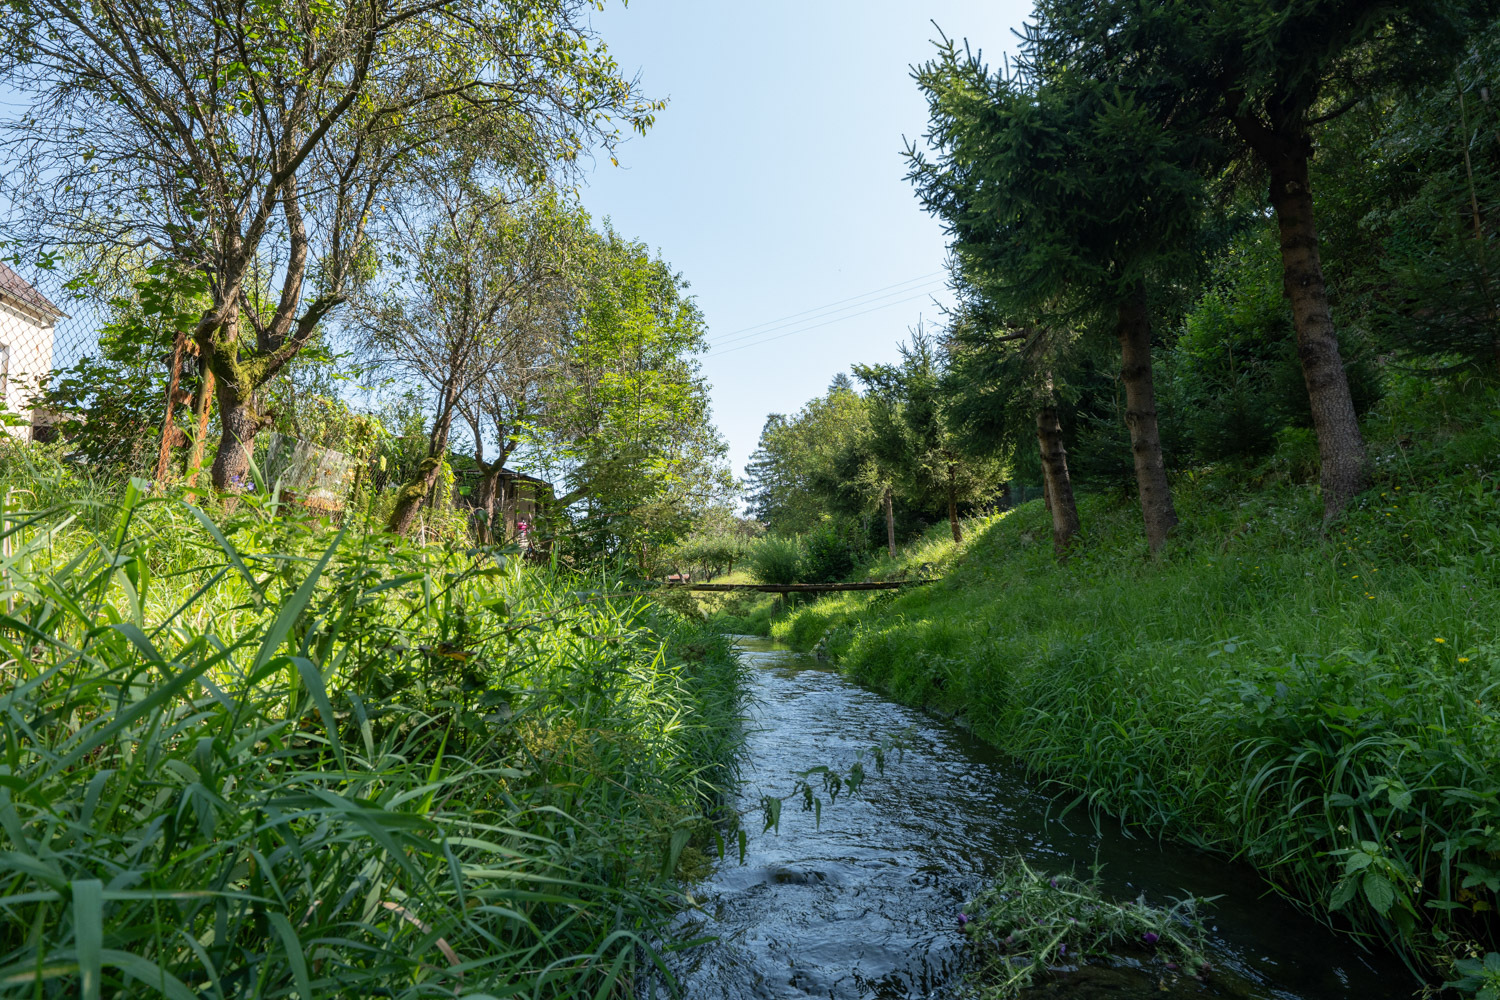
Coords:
826,556
112,403
1234,367
718,543
1479,976
825,471
1417,225
747,615
627,435
816,463
927,556
1027,921
247,756
1235,377
914,443
520,90
1064,193
777,559
1318,705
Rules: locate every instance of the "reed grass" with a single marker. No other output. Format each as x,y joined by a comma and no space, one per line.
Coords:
246,754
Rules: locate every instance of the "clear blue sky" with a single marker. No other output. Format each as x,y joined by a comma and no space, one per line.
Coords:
774,180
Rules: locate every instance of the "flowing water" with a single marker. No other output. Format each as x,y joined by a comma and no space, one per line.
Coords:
867,905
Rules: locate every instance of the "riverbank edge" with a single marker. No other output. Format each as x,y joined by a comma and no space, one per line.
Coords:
594,744
1196,732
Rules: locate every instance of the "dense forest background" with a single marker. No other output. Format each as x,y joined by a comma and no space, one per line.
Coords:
1083,196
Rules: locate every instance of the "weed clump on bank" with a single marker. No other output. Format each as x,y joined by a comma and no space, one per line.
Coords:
257,756
1028,923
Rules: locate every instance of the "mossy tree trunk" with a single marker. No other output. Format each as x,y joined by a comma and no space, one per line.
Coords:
241,421
416,491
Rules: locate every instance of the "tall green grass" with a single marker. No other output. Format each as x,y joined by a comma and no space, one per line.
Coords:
1322,705
252,756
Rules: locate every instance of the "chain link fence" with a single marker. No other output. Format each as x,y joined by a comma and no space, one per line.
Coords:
102,387
36,338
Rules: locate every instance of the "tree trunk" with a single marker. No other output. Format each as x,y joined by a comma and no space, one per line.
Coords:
1140,416
1056,483
958,535
485,499
1341,448
231,468
416,491
409,501
890,523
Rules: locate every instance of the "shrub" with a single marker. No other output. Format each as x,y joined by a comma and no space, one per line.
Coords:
827,558
777,560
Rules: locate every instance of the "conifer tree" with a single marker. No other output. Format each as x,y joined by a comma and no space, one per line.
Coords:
1071,201
1261,77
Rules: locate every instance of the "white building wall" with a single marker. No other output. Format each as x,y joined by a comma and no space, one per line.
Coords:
27,340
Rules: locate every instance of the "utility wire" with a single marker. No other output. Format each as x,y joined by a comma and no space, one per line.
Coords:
843,313
815,326
853,302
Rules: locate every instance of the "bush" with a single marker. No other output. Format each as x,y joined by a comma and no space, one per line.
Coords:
827,556
1233,378
777,560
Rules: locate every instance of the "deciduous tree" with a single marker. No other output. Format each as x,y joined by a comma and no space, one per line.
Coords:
253,143
470,278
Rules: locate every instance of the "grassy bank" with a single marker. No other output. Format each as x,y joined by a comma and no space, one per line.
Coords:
248,755
1322,705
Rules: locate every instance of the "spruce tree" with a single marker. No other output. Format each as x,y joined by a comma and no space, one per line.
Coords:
1261,77
1071,200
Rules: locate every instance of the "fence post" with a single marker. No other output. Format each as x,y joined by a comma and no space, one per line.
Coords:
163,458
201,406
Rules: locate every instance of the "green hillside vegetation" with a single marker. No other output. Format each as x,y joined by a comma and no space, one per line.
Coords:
247,755
1206,450
1322,706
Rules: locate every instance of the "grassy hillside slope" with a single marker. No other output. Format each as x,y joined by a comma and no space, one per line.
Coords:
1321,704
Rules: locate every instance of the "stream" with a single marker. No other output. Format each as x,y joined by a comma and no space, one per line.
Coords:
867,905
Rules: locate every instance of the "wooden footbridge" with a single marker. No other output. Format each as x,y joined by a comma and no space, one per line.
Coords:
794,588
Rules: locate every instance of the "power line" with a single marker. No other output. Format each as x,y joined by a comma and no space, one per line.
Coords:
837,314
815,326
852,302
